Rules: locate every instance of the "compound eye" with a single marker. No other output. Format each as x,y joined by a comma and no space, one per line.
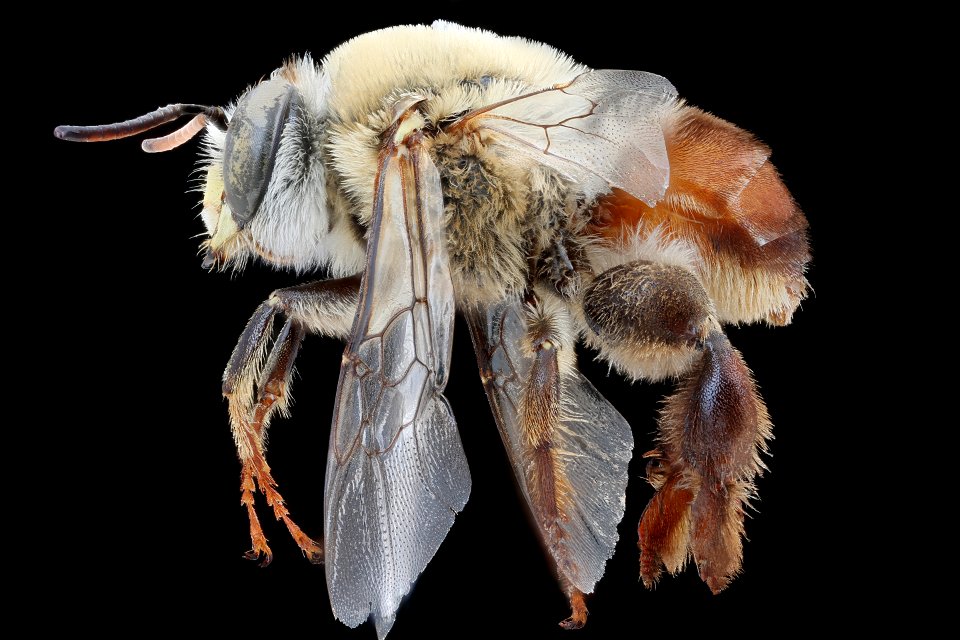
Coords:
253,138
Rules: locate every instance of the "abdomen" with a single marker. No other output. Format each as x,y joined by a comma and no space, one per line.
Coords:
727,205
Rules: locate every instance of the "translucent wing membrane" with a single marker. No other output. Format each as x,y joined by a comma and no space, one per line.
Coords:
396,472
604,124
591,445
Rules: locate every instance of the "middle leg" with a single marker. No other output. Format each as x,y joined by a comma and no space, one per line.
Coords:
569,447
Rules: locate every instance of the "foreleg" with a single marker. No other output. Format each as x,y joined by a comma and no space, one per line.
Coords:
256,391
711,431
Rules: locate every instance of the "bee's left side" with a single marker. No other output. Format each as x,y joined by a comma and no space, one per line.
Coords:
266,195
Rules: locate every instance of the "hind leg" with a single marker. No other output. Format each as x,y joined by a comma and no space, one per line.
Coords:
711,430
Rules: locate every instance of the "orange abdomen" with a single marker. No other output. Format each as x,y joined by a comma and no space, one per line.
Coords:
727,202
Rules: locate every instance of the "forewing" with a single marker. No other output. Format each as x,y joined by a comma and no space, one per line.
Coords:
592,443
605,124
396,472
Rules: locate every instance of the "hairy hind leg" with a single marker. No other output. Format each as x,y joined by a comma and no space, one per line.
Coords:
711,430
711,433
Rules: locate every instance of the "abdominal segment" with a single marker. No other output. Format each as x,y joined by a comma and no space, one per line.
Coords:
726,200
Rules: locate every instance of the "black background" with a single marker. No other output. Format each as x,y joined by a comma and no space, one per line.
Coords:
133,471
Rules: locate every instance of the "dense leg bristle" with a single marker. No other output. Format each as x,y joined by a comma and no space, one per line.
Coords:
711,433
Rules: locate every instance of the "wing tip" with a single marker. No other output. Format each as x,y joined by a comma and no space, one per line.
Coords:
383,624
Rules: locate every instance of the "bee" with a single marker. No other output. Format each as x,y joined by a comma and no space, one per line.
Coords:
435,170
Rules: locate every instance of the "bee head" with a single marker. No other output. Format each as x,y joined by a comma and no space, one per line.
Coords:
264,186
